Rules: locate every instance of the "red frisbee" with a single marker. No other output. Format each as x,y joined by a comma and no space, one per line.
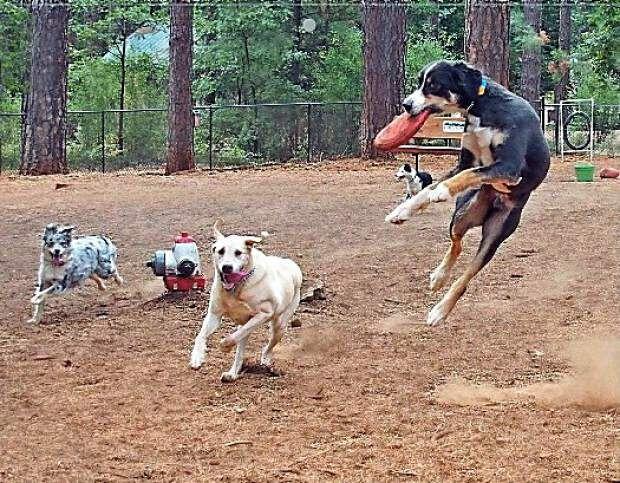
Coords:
400,130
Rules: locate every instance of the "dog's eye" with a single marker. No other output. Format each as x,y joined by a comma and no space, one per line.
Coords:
237,253
221,251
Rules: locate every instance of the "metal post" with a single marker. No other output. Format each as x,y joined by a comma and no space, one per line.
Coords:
309,145
556,134
542,113
103,141
210,138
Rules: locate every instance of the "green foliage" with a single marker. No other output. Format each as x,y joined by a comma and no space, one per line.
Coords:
13,32
595,63
339,73
421,52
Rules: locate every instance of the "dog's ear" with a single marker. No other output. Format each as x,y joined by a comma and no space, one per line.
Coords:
67,229
407,167
216,229
468,79
250,241
51,228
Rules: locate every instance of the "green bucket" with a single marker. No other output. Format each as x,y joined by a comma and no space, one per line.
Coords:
584,172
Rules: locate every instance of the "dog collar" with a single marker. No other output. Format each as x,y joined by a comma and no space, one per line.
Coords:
483,86
481,90
240,282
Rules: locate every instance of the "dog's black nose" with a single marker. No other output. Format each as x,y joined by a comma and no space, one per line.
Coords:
227,268
407,106
56,252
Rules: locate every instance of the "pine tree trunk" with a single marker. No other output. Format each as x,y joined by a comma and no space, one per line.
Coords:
180,116
530,63
487,28
561,88
384,70
44,150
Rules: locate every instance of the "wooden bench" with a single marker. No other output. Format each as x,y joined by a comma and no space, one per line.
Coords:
436,127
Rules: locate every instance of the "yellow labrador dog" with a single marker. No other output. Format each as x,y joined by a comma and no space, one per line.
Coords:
250,288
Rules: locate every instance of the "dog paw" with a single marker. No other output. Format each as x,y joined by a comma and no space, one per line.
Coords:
440,193
196,360
119,280
227,343
265,359
436,315
32,321
399,215
438,278
102,287
36,299
228,376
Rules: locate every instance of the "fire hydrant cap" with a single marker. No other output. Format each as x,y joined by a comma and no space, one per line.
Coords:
184,238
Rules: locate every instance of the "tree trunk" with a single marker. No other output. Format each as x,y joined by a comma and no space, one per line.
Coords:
487,28
180,116
46,104
384,69
561,88
530,63
121,97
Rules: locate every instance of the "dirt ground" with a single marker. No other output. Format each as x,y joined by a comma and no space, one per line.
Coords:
102,390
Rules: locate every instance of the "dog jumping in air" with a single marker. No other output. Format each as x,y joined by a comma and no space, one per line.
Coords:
67,262
504,157
251,289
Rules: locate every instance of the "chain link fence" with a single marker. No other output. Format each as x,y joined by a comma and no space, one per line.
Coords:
224,136
241,135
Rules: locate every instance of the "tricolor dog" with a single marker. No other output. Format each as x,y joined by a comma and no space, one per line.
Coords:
251,289
67,262
504,157
414,180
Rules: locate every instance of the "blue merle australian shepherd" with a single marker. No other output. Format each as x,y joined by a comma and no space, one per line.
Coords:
67,262
504,157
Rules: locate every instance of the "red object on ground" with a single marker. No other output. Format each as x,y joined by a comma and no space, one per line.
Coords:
609,173
185,284
184,237
400,130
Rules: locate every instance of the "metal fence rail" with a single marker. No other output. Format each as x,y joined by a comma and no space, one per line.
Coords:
234,135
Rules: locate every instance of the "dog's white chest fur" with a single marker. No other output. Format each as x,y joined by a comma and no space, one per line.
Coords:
51,272
479,140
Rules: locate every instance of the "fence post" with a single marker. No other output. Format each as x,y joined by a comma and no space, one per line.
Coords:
556,128
309,144
103,141
210,138
542,112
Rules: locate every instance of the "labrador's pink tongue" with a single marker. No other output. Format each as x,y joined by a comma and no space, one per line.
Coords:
235,277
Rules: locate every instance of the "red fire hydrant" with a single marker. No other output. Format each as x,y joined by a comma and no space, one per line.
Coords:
180,266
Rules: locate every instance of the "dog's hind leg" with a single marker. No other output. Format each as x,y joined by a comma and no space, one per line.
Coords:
277,330
470,211
117,278
233,373
500,223
98,280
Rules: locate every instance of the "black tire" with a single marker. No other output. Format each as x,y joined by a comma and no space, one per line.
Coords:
577,118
